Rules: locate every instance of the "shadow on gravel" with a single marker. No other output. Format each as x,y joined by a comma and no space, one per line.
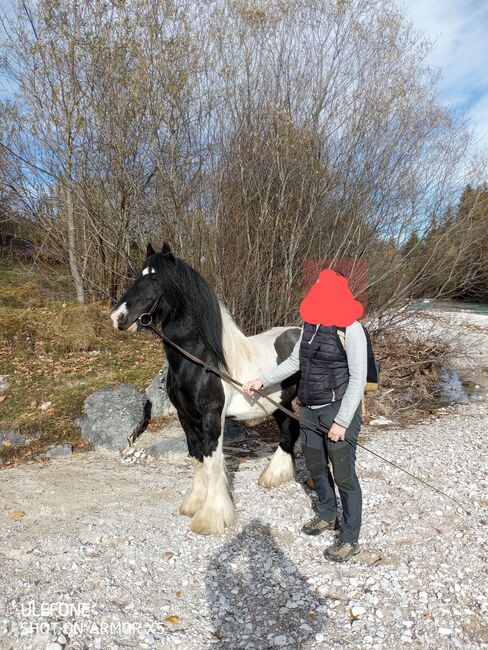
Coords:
257,597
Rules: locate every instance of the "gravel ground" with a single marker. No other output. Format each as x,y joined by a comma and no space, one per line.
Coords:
94,554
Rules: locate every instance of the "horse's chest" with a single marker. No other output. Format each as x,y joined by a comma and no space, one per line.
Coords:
195,392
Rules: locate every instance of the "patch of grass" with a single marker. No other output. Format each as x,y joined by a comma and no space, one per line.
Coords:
56,350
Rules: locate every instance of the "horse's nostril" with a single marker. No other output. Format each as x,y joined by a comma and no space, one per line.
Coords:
119,316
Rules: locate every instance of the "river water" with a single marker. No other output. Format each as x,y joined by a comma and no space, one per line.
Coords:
453,386
450,305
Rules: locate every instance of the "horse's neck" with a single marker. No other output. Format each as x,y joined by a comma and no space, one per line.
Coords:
236,345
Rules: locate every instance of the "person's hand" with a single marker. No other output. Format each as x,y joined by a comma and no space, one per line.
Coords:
249,386
336,432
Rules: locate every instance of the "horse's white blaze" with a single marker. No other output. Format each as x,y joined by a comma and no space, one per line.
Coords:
195,500
148,270
218,510
279,470
117,313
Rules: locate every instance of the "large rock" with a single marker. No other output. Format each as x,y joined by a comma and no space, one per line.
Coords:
59,450
114,416
12,439
157,395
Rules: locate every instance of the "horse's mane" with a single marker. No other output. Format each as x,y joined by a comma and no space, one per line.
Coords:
185,287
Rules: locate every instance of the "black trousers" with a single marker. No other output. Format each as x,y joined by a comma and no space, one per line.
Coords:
318,451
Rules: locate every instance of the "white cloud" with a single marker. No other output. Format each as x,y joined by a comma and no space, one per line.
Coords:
459,32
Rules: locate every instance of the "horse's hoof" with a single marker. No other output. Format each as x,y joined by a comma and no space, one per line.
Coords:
208,522
267,481
190,506
280,470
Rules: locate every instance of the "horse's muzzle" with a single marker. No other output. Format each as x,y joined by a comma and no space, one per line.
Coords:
120,319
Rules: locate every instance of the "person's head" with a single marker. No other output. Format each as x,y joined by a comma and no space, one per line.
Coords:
330,301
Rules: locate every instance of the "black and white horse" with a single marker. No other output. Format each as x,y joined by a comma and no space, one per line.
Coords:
190,314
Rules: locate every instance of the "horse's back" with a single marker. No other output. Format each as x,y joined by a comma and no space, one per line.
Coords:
281,339
270,348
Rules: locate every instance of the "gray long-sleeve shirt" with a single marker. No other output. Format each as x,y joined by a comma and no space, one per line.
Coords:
357,361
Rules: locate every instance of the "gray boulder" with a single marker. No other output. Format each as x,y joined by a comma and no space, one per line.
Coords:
59,450
114,416
157,395
12,439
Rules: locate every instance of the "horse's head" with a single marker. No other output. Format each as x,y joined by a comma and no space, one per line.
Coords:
144,292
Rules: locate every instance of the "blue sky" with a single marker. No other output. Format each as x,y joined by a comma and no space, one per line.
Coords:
459,32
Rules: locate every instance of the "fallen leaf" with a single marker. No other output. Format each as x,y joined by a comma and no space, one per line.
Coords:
17,514
2,398
178,594
217,634
168,555
172,619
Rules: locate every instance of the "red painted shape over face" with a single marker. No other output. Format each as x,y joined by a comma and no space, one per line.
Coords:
330,302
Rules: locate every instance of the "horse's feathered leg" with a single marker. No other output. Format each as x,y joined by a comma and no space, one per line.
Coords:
218,510
196,498
194,501
281,467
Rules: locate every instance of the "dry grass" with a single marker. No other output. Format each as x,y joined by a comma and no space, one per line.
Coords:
55,350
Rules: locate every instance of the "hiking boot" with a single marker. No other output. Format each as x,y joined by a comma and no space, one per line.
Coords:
341,551
310,483
316,526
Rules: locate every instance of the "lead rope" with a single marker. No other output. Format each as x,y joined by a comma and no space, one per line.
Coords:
146,321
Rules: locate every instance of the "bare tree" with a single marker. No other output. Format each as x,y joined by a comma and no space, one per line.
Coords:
253,135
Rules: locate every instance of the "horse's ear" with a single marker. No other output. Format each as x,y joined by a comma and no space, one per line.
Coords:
149,250
166,250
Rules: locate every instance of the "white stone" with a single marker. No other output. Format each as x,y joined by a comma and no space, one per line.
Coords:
357,610
445,631
280,640
380,421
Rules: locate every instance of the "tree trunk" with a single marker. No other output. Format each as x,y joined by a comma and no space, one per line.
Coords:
73,262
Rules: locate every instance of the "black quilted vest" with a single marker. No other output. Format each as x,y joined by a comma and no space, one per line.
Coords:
324,373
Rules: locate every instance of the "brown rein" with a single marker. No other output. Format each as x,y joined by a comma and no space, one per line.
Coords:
146,321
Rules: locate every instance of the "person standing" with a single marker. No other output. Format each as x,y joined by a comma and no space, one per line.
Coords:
330,390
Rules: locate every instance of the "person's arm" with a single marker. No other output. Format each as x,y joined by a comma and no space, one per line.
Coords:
357,361
285,369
